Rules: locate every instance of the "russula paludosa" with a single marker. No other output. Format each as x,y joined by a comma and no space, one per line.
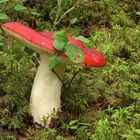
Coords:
46,90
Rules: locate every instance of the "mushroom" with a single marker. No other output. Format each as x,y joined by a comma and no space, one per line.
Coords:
46,91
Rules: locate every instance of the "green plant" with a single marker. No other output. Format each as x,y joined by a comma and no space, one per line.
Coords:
103,131
61,43
43,134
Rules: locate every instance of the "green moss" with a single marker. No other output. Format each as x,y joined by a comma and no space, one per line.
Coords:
100,104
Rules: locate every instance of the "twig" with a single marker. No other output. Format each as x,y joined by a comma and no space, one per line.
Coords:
59,2
62,16
73,78
58,12
58,76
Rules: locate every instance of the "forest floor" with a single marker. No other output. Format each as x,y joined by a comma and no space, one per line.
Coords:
100,104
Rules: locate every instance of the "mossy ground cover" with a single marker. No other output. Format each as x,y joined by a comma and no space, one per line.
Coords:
99,104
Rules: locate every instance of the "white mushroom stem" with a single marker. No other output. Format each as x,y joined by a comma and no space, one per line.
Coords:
45,96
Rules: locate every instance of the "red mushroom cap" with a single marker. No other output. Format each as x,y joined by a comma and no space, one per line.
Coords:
43,41
93,58
29,36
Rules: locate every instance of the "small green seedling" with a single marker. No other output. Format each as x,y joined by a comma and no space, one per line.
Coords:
61,43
